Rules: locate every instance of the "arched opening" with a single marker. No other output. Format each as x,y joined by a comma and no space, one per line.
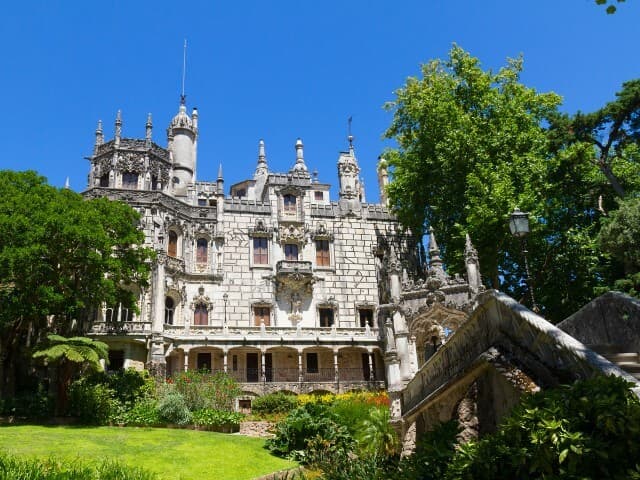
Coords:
130,180
104,180
169,309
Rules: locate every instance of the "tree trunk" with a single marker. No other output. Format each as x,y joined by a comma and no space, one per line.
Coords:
611,177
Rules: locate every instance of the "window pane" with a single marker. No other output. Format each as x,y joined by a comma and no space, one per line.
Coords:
129,180
201,253
291,251
323,258
172,249
312,363
289,203
326,317
366,317
262,314
260,251
318,195
201,316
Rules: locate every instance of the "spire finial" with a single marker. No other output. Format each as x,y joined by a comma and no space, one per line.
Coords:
261,155
183,97
349,135
220,171
434,250
67,185
99,137
118,132
299,166
148,129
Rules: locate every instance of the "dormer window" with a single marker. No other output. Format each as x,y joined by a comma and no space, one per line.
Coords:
289,203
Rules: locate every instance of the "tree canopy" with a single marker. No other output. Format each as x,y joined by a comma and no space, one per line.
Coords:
61,256
473,144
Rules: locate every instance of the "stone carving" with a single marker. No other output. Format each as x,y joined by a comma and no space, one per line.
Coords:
292,233
201,299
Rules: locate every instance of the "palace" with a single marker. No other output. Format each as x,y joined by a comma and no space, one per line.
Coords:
272,282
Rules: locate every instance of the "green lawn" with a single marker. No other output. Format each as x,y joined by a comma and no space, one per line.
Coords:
171,453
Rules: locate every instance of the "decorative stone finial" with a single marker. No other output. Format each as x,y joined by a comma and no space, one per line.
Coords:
67,185
99,137
148,129
383,180
220,172
470,252
118,133
299,166
261,169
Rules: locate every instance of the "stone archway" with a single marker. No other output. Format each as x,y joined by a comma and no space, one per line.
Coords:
432,326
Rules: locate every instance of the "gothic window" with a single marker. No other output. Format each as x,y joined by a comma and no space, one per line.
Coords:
260,251
318,195
202,202
289,203
366,317
172,249
104,180
154,182
312,362
201,251
326,317
323,259
201,315
291,252
262,315
169,308
130,180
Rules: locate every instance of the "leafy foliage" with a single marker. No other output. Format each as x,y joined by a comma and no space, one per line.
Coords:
376,436
611,7
64,256
588,430
217,419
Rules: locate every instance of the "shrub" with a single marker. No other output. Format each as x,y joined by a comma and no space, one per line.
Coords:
172,408
130,385
303,424
92,403
219,420
143,414
36,404
204,390
279,402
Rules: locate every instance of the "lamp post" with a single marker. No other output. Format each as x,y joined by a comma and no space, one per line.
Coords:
225,297
519,227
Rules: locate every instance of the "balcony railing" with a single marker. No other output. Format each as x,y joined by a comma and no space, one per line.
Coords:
294,375
293,266
212,331
121,328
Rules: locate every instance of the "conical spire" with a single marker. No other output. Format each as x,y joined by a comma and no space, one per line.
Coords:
470,252
67,185
435,262
220,172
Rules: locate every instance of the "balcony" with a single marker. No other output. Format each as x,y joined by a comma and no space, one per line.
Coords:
121,328
294,275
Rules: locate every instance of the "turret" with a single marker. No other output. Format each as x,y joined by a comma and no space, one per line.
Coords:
182,136
118,130
99,137
348,174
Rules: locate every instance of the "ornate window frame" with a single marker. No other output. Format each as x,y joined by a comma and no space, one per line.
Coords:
260,230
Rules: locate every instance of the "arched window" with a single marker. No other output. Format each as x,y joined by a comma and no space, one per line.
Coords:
172,249
289,203
104,180
201,251
201,315
169,306
130,180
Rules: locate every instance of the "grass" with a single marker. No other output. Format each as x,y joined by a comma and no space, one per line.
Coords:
172,454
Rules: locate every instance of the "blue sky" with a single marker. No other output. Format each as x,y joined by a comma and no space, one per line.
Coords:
276,70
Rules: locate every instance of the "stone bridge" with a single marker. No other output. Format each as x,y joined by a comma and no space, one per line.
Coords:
479,374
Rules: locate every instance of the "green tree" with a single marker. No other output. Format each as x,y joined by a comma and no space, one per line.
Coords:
376,435
620,238
71,356
61,256
611,8
473,144
471,147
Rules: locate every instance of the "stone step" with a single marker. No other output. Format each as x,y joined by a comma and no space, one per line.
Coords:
631,367
621,357
606,348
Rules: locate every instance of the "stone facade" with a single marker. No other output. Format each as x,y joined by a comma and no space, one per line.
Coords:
274,283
